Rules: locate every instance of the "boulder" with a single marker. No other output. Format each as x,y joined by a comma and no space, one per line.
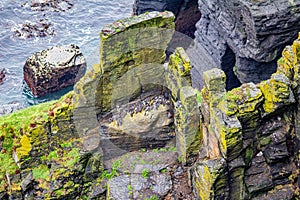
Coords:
41,28
2,75
53,69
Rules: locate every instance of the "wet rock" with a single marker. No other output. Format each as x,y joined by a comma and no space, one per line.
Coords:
42,28
52,5
55,68
2,75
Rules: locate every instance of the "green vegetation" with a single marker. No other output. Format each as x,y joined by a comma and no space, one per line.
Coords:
145,173
41,172
153,197
114,171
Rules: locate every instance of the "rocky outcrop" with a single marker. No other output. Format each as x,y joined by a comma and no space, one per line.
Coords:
237,144
41,28
254,129
243,38
186,108
47,151
52,5
2,75
186,12
53,69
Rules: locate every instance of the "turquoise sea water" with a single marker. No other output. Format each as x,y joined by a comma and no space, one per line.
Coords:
79,25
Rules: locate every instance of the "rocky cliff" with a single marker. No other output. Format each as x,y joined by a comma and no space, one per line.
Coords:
244,38
134,127
251,136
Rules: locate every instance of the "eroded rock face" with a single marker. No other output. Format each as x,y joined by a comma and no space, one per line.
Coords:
254,31
55,68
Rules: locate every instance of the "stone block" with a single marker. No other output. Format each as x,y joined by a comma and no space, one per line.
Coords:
55,68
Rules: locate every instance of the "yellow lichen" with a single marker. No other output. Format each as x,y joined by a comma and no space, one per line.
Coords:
25,147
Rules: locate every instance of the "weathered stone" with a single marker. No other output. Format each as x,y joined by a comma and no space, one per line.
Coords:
258,176
204,177
143,129
27,182
285,192
178,74
244,32
277,92
125,45
55,68
117,188
137,186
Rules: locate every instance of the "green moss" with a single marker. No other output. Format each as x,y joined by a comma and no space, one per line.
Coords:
52,155
7,165
73,157
41,172
145,173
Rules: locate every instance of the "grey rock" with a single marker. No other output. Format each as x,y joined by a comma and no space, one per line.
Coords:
27,182
252,34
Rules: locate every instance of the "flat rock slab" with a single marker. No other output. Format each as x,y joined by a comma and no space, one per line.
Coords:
153,160
53,69
135,186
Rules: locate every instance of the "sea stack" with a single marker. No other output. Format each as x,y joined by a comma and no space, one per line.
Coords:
53,69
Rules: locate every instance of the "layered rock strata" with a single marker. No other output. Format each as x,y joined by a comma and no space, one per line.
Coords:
245,141
53,69
250,136
243,38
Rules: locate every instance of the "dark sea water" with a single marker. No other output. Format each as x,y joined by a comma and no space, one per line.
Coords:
79,25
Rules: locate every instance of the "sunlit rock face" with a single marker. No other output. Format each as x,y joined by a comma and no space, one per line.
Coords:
247,34
55,68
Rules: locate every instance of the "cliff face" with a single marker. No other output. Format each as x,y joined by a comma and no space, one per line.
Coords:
244,38
251,136
51,151
186,12
237,144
